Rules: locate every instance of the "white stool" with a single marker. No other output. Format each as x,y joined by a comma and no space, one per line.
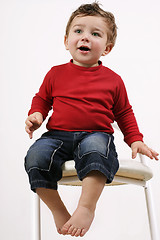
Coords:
130,172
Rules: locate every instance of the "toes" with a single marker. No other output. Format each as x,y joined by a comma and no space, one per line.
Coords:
59,231
78,233
73,232
65,229
83,232
71,229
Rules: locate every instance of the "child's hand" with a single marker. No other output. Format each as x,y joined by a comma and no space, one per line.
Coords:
33,122
140,147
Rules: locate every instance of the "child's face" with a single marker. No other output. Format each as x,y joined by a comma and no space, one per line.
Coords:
87,40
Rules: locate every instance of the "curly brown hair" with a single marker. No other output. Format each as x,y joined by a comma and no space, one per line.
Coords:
95,10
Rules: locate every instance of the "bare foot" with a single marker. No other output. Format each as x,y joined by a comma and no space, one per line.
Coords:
79,223
61,216
52,199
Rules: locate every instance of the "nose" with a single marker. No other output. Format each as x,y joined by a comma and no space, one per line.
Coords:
85,38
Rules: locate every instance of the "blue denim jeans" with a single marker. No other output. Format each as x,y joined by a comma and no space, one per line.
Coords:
90,151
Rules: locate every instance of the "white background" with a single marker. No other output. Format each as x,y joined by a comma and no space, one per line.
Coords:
31,42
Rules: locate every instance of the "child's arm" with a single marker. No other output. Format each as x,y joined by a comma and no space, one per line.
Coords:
127,122
33,122
41,104
140,147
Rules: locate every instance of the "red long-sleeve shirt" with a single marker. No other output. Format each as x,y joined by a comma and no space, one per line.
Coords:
86,99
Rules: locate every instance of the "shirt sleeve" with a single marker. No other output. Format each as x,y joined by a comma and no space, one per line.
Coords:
42,101
124,115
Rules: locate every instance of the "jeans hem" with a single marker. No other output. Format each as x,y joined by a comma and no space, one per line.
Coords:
43,184
96,167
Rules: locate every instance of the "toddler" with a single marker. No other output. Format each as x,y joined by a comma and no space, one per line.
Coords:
86,98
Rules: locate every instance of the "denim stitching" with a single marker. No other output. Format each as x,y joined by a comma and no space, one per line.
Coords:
47,170
80,157
92,164
113,163
108,146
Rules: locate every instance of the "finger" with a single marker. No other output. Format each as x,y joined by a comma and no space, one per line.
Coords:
31,120
154,154
134,153
156,158
36,122
28,123
31,135
27,129
147,152
32,124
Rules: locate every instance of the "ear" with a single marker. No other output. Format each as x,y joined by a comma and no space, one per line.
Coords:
109,47
66,42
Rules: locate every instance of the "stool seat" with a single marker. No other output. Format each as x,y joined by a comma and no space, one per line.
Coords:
130,169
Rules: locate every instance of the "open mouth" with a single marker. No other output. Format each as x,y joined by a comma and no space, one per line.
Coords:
84,49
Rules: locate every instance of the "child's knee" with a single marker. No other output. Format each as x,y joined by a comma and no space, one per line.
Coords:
41,153
34,159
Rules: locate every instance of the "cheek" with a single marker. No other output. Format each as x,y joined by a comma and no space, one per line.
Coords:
72,43
98,46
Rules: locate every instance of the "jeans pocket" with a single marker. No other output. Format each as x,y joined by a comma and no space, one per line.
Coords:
41,154
95,142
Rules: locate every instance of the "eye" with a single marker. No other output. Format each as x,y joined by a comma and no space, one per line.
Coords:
78,31
96,34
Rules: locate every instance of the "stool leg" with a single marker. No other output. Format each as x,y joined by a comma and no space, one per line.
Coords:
151,213
36,218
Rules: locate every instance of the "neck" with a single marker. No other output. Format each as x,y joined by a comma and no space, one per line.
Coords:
85,64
